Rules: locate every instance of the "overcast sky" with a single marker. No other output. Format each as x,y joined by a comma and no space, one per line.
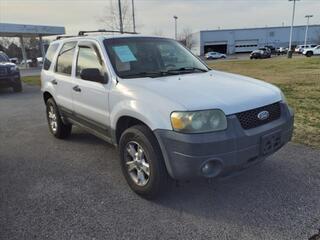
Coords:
157,15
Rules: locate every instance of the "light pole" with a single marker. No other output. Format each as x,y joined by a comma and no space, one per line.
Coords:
307,27
133,17
291,29
176,27
120,16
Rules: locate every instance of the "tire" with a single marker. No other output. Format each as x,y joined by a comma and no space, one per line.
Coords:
309,54
141,137
17,87
56,126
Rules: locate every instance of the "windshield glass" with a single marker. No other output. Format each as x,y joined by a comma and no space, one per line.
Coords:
150,57
3,58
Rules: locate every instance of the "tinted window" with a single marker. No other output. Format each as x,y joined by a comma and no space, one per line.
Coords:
4,58
88,58
49,56
64,62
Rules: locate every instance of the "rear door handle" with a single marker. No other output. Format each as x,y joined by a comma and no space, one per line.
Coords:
76,88
54,82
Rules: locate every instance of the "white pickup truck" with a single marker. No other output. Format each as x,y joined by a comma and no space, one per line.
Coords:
170,116
309,52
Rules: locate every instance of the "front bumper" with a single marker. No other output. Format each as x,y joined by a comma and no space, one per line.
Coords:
225,152
9,80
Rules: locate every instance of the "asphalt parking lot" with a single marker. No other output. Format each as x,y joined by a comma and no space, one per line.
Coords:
74,189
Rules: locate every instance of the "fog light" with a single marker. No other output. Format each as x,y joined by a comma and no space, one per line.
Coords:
211,168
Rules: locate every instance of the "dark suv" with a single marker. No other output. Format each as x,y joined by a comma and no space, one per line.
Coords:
9,74
261,53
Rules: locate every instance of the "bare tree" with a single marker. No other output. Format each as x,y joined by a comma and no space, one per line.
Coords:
111,20
5,41
186,38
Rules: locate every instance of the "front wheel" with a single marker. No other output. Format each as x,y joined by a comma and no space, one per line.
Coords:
17,86
142,161
309,54
56,125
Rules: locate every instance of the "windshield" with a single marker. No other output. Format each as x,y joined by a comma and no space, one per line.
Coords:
150,57
4,58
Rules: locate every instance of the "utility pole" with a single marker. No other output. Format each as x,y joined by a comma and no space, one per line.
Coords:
291,29
307,27
120,16
133,17
176,27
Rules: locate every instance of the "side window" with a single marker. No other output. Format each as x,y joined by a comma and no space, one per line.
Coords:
64,61
88,58
49,56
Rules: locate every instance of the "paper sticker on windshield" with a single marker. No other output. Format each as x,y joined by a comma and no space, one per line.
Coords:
124,53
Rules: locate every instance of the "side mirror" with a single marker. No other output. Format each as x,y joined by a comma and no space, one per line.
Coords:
93,74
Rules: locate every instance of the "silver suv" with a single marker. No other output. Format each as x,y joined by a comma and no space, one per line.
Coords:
169,114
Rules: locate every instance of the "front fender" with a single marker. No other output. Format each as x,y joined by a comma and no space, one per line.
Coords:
155,117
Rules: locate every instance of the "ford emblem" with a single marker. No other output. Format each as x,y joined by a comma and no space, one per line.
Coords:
263,115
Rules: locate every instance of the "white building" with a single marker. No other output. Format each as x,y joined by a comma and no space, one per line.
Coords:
248,39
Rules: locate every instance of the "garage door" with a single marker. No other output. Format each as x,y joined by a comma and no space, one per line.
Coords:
220,47
246,45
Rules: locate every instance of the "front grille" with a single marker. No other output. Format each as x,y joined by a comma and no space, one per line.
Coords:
3,71
249,119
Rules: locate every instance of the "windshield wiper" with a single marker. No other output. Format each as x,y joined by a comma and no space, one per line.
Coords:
151,74
188,70
165,73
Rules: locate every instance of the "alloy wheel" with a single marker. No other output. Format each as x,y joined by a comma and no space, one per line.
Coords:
137,163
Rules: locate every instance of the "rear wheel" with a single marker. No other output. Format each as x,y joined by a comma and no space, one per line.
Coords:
142,162
56,125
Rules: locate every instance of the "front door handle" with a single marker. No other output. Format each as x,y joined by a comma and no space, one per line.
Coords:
54,82
76,88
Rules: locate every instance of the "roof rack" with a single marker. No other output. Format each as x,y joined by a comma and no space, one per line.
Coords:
67,36
82,33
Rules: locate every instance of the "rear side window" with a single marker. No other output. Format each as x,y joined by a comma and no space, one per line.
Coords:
49,56
64,61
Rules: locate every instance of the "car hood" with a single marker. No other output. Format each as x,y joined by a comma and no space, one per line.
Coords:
212,90
6,64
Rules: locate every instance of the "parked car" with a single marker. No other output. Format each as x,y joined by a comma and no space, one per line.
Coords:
214,55
281,51
309,52
170,119
29,62
301,48
272,48
14,60
9,74
260,54
40,61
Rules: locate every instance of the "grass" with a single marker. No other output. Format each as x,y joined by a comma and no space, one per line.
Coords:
32,80
299,79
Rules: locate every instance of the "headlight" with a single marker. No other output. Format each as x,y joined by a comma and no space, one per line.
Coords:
13,68
199,121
